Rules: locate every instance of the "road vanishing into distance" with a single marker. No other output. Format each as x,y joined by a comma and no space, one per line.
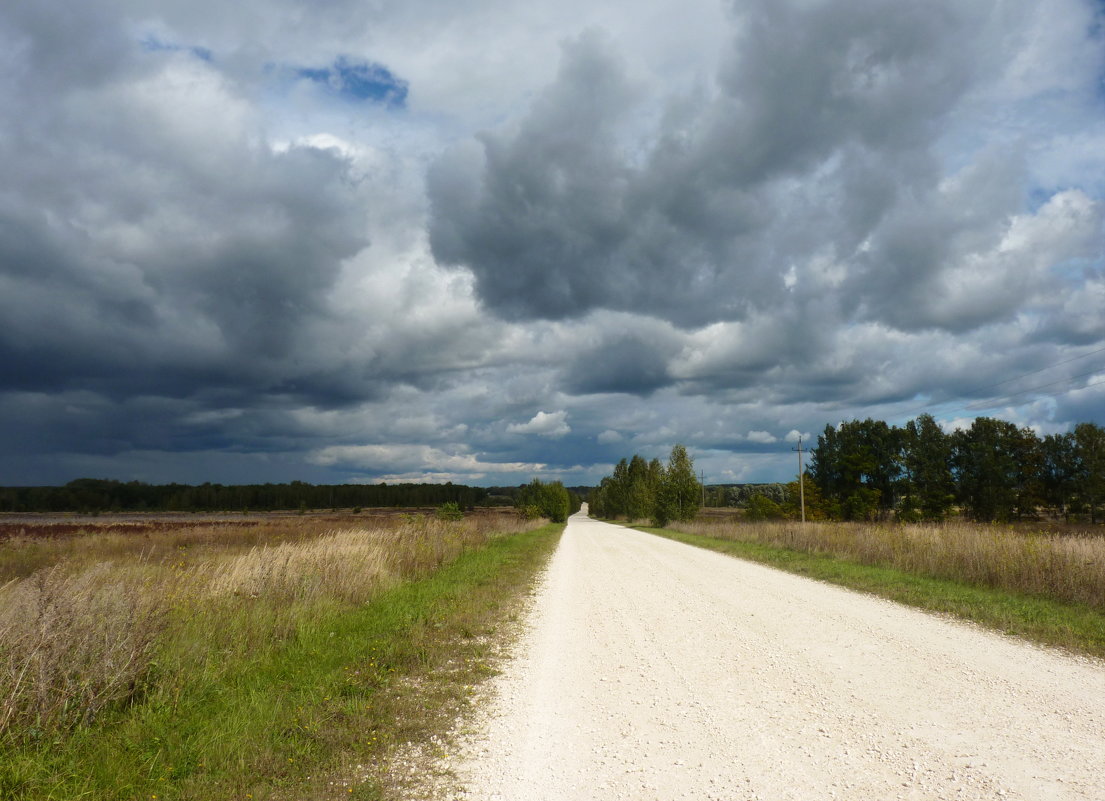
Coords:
653,670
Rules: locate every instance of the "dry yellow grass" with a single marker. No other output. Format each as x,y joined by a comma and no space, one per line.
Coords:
81,631
71,643
1068,567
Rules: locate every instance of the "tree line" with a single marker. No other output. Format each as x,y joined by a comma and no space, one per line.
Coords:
102,495
992,471
718,495
640,490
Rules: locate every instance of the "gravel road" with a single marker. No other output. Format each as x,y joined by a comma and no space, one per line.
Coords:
653,670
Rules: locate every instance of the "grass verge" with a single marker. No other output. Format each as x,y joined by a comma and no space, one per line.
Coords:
323,714
1076,627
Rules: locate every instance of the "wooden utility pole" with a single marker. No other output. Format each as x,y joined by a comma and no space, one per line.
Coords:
801,480
702,481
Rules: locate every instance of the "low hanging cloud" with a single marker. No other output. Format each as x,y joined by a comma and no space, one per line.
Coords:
390,458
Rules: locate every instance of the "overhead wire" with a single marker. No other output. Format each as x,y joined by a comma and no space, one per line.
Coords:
1011,396
971,406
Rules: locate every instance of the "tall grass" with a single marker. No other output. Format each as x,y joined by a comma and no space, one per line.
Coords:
103,620
73,643
1065,567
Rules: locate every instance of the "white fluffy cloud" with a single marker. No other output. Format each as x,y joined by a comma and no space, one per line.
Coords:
763,437
393,458
545,424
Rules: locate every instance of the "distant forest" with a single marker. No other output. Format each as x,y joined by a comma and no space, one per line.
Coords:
100,495
94,495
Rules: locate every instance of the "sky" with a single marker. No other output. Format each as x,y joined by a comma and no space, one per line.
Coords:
483,241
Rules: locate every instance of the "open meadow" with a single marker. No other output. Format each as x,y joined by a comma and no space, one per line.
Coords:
194,656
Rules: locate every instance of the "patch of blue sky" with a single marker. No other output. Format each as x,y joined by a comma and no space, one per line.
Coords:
1075,271
153,44
363,81
1097,31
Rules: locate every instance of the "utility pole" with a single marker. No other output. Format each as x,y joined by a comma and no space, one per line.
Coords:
801,481
702,482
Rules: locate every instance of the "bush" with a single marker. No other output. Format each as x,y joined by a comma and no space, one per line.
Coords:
760,507
449,511
551,499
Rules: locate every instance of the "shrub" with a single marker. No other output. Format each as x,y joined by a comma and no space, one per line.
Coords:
760,507
449,511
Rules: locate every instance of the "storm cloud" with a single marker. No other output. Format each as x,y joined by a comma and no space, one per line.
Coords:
815,162
483,241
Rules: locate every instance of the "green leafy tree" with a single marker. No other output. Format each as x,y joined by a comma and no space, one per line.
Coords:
793,500
857,466
680,493
825,469
929,488
640,492
550,499
761,507
1059,472
1089,469
618,502
992,461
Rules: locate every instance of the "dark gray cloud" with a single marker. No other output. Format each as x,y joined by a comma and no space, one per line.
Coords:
253,242
821,119
625,365
630,356
150,243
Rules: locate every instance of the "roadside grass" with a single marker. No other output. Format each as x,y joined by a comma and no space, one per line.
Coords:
1076,626
268,674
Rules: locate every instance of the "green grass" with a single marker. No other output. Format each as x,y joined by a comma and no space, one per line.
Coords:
317,715
1076,627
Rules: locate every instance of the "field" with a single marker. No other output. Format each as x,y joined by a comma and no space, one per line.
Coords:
1044,582
195,656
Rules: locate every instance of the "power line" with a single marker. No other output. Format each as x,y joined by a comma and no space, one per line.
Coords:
983,387
1010,397
977,407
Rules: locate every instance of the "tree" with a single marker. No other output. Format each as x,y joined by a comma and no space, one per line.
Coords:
1058,472
761,507
857,466
680,493
988,477
824,466
551,500
640,493
929,485
618,502
811,494
1089,472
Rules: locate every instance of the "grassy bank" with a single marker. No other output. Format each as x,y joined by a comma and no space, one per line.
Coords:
302,670
1044,588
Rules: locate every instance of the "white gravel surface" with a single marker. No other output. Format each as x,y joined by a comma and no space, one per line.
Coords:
654,670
